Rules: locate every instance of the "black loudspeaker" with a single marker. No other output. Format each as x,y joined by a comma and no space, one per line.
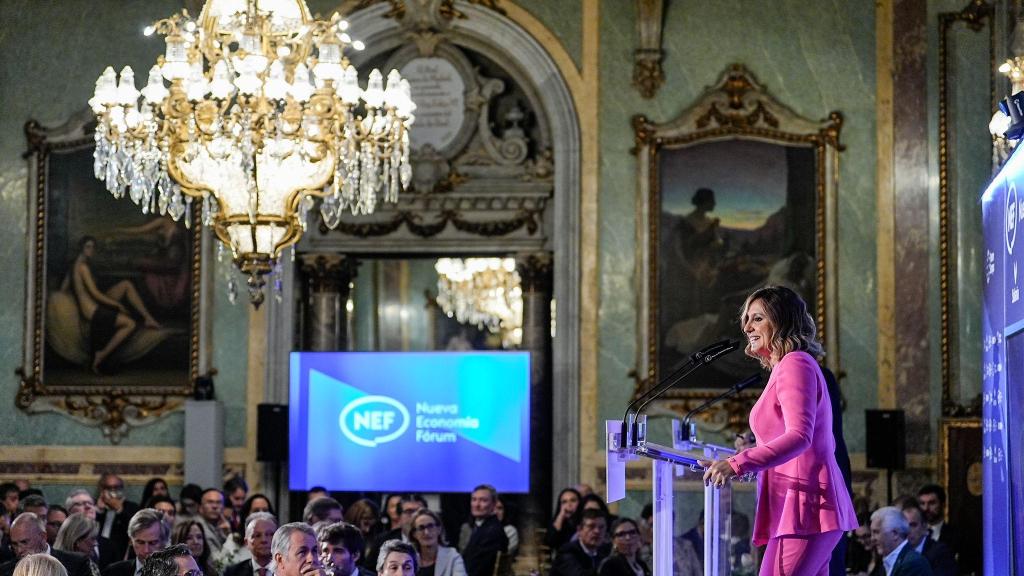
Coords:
886,439
272,433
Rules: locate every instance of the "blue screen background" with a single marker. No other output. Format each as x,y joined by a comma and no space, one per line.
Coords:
492,387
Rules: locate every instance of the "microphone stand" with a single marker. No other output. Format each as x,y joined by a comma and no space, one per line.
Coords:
736,388
697,360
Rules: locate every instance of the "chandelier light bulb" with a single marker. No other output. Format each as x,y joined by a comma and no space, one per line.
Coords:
253,112
358,45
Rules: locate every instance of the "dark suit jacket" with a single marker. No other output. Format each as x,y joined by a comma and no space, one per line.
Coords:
107,553
75,564
481,552
572,560
118,539
908,563
370,562
617,565
122,568
940,558
243,568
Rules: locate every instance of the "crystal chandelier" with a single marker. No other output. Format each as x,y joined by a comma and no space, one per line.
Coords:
485,292
253,111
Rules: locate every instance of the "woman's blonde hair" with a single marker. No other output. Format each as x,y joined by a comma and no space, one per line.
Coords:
39,565
76,527
792,323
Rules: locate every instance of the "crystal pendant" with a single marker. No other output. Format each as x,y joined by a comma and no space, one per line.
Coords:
330,210
232,288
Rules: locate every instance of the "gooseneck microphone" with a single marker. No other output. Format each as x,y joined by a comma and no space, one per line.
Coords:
735,389
697,360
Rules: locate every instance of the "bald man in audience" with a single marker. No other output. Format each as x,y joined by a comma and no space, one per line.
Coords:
148,533
28,536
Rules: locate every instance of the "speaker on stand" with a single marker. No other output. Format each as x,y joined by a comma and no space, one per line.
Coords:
885,435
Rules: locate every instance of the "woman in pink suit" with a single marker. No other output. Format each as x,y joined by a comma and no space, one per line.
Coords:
803,507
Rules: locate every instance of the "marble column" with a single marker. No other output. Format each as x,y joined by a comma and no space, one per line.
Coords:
326,291
535,272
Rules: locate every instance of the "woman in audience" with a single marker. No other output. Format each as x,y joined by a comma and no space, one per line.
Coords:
155,487
39,565
188,501
625,545
234,549
436,558
79,534
397,558
190,533
563,526
510,531
235,492
392,516
363,514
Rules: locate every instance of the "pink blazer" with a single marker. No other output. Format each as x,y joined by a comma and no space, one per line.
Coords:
799,487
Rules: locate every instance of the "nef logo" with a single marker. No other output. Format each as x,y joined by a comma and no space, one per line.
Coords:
373,420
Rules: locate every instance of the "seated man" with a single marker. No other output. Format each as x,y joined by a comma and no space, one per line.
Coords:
341,546
486,537
259,533
324,509
173,561
889,530
938,555
28,536
148,533
582,556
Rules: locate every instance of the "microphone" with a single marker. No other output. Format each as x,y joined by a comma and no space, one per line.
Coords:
736,388
701,358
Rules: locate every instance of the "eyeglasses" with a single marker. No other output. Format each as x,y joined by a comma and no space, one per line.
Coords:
426,527
625,534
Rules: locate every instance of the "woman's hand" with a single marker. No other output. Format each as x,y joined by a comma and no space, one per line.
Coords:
717,472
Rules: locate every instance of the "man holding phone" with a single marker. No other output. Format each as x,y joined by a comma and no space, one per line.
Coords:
114,514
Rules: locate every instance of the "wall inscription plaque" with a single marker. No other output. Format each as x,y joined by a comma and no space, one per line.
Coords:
439,93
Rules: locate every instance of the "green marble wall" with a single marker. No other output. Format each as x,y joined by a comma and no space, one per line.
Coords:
52,53
565,19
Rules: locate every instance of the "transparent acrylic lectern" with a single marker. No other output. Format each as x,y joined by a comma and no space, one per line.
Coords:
669,462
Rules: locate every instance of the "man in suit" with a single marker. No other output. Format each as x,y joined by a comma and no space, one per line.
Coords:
938,555
932,500
325,509
486,535
28,536
889,532
295,551
408,506
211,516
342,545
173,561
115,514
259,533
148,533
582,556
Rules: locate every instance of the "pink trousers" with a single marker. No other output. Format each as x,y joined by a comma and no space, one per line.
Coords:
804,555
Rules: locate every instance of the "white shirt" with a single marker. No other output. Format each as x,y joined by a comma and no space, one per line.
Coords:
890,559
138,567
936,530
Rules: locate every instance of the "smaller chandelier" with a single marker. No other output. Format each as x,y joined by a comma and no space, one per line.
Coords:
485,292
254,111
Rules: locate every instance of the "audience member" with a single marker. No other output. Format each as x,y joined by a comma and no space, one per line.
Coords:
324,509
80,500
172,561
148,533
165,506
436,558
860,555
889,532
255,503
363,514
563,525
966,548
259,534
482,538
295,551
188,500
235,549
938,555
39,565
341,550
55,518
79,534
391,514
28,536
409,505
315,493
154,487
510,530
625,545
595,502
211,517
115,514
191,534
582,556
9,492
35,504
397,558
584,490
236,490
695,536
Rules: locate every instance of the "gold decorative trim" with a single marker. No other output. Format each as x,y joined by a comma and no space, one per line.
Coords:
974,15
737,106
946,425
114,409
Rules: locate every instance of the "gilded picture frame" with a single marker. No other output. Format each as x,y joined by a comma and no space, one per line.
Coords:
115,308
734,116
